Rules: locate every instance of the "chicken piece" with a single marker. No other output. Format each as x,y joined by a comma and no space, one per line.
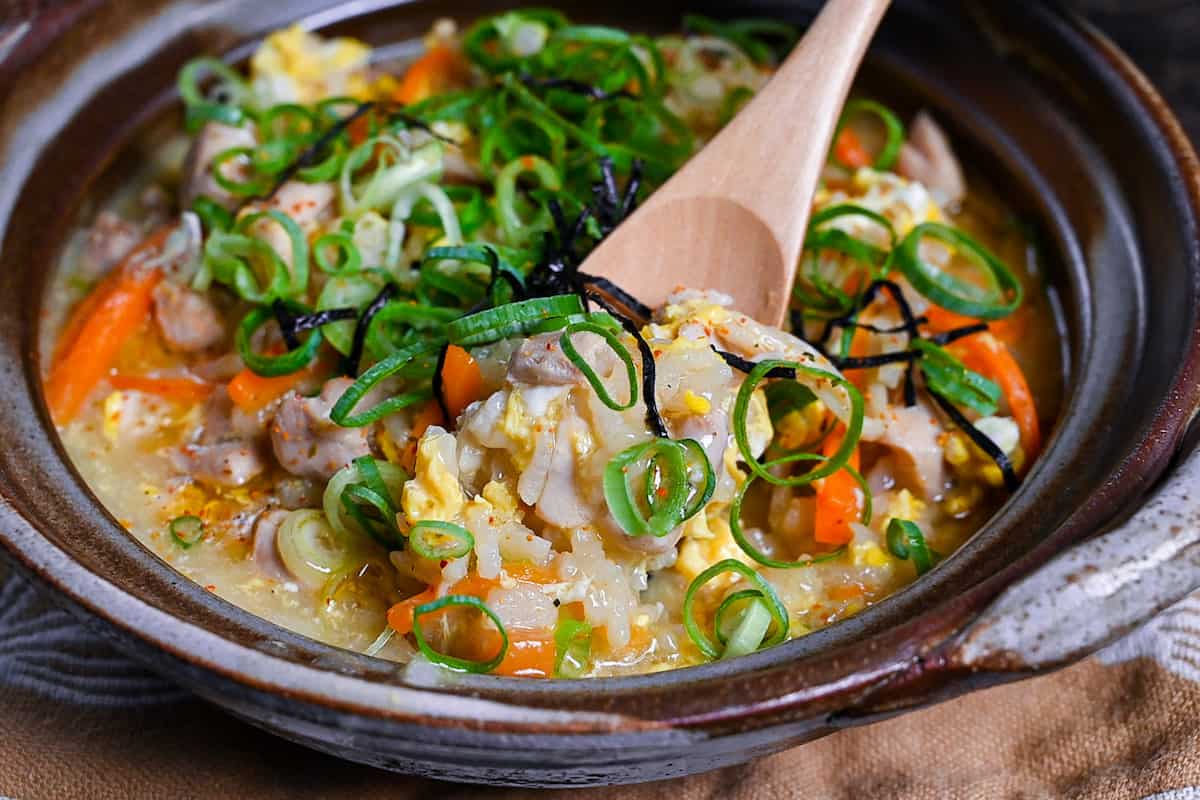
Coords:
561,503
234,463
227,451
912,434
109,240
212,140
307,442
540,360
266,548
308,204
188,320
928,159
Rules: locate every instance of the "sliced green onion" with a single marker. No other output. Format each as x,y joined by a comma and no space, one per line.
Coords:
722,625
516,230
751,629
440,541
348,257
253,186
669,493
200,109
346,290
833,463
1001,297
494,324
343,519
776,608
373,512
893,127
213,215
309,547
452,662
343,410
270,366
614,342
950,378
905,540
572,648
187,531
784,397
739,534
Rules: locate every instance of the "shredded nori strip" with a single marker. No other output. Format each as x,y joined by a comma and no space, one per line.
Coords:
350,365
438,393
981,439
653,418
611,206
622,297
866,362
286,324
306,322
959,333
746,365
312,154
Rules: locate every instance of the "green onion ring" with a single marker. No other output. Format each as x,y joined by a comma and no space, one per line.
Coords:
892,124
452,662
739,535
747,636
253,187
611,338
726,606
342,412
905,540
349,259
778,611
955,294
494,324
572,648
833,463
187,531
440,541
271,366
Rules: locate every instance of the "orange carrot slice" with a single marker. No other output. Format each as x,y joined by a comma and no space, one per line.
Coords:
252,392
182,390
850,151
436,71
988,356
462,380
837,498
99,328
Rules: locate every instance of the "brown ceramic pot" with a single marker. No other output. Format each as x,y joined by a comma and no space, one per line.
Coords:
1054,113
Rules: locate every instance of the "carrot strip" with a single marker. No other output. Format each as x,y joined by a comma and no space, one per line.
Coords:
183,390
530,572
942,320
531,657
850,151
837,498
251,392
94,336
988,356
462,380
400,616
433,72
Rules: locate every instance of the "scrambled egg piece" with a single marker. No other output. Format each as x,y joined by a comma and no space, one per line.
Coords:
707,539
528,415
434,491
295,66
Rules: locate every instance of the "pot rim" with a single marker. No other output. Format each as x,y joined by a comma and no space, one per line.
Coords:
523,706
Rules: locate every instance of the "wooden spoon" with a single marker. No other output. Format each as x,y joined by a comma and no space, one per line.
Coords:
734,217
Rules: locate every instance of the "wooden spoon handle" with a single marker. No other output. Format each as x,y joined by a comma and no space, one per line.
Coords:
770,156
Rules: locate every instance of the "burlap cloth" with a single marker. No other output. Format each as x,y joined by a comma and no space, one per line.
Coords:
78,720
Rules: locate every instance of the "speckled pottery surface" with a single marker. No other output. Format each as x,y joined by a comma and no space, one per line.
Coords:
1095,542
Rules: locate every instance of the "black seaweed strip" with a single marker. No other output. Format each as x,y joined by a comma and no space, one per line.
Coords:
1011,482
653,418
350,365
